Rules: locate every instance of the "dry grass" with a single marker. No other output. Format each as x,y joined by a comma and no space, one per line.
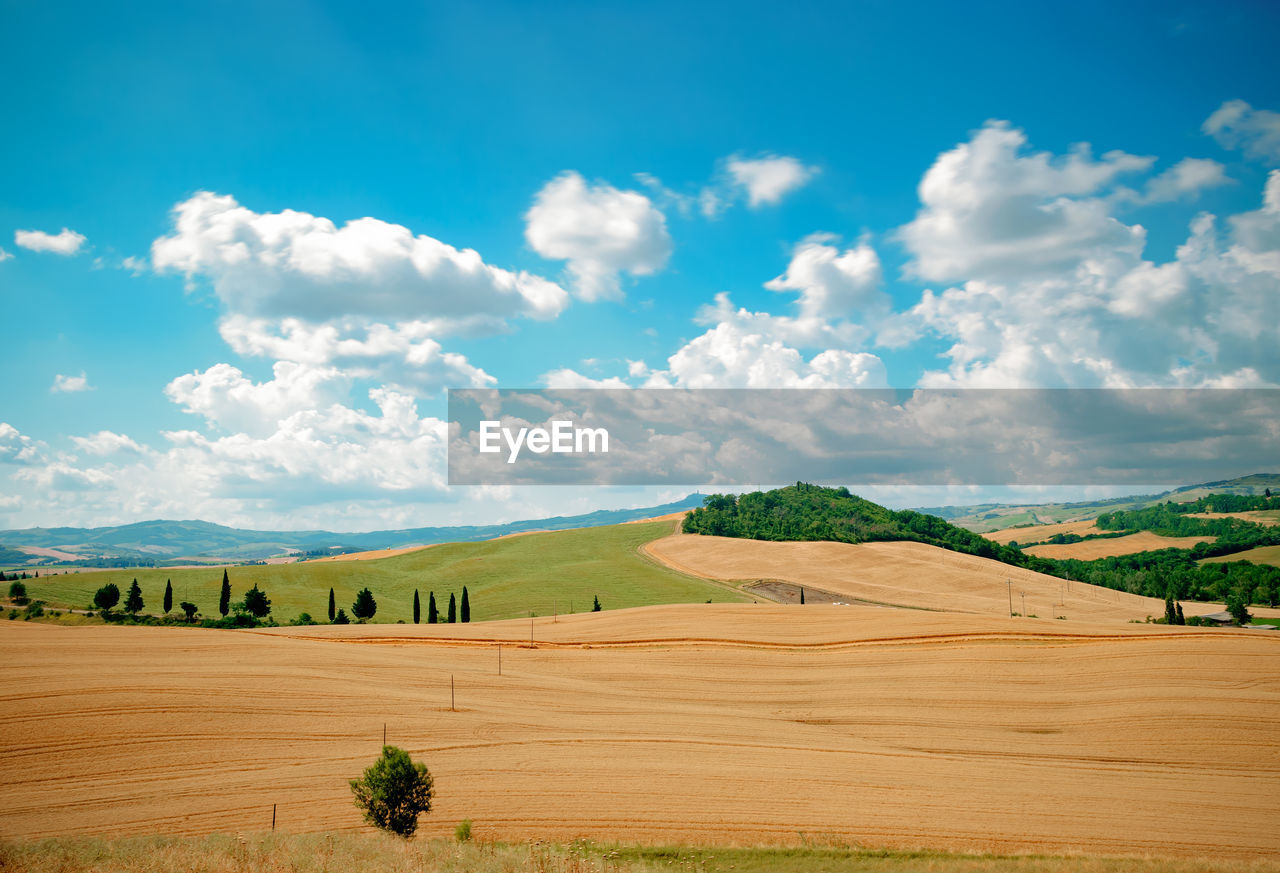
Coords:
1257,516
911,575
374,555
1261,555
329,853
902,574
712,724
1091,550
1037,532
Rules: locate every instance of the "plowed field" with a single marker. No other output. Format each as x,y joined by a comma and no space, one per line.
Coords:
698,723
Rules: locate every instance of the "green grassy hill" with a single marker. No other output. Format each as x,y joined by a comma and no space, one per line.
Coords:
505,578
157,543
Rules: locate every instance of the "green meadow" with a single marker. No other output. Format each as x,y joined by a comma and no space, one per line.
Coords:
505,578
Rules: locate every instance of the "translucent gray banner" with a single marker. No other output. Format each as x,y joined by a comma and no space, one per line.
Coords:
732,437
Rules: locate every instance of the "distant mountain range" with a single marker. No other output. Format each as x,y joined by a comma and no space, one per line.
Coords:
997,516
184,542
181,542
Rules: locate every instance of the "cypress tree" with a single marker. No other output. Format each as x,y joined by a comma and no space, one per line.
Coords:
433,614
1181,618
133,602
453,608
1170,614
168,595
224,599
466,606
332,612
802,597
595,605
417,607
365,606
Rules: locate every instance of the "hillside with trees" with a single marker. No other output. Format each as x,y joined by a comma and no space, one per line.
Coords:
812,512
803,512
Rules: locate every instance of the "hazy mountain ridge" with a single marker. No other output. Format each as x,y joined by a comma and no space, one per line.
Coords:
986,517
163,541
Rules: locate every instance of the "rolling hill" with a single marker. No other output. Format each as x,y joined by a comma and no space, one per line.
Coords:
988,517
172,542
512,576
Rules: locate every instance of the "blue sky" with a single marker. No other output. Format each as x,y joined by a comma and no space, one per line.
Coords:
908,179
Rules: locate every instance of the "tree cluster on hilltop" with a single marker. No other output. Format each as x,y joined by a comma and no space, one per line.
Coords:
803,512
814,512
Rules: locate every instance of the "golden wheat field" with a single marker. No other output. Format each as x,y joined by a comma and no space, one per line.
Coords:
1091,550
739,724
908,574
1033,533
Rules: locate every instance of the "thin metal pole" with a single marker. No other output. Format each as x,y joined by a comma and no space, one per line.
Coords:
1010,586
531,631
499,659
273,816
451,699
384,733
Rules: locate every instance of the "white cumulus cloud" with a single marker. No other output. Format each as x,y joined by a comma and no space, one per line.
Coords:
989,211
1237,125
294,264
224,396
402,354
729,356
105,442
566,378
1185,179
600,230
766,180
1108,317
16,447
66,243
68,384
833,284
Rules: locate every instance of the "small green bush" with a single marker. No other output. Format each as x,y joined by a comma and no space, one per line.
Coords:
394,792
462,833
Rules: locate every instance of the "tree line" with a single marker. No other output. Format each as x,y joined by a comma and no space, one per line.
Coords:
254,609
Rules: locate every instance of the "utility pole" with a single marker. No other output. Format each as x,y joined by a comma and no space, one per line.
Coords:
499,659
451,699
1009,584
